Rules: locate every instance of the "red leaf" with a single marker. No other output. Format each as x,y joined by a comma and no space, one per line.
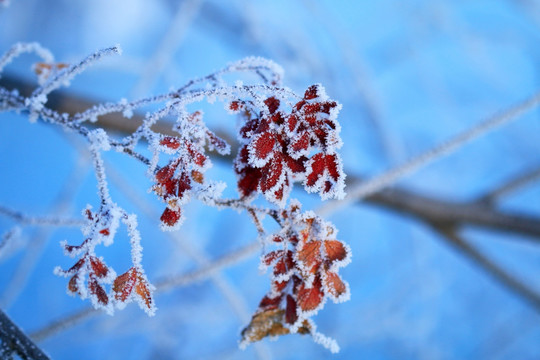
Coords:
98,267
234,105
249,180
310,298
263,145
197,157
335,250
279,285
335,285
326,106
302,143
290,311
184,184
105,232
249,128
332,166
72,285
77,265
296,165
272,103
170,187
165,173
123,284
312,109
170,217
310,255
318,164
170,142
272,256
312,92
284,264
270,303
97,290
271,174
292,121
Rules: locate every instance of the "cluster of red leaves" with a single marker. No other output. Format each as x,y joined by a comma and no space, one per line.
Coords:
280,148
305,273
174,181
96,270
90,274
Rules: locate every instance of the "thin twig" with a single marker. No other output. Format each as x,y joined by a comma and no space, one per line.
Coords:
511,186
456,214
451,237
13,337
24,219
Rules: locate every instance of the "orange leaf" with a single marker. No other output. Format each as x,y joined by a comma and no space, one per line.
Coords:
310,298
310,255
335,250
72,285
143,291
335,285
284,264
123,284
98,267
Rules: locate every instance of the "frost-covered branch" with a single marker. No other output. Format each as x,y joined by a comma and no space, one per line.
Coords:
286,138
397,198
14,341
457,214
25,219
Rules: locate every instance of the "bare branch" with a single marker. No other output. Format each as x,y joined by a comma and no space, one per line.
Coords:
14,338
512,185
456,214
362,190
451,237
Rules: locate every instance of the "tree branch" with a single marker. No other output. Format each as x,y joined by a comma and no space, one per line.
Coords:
511,185
15,339
455,214
451,237
396,199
